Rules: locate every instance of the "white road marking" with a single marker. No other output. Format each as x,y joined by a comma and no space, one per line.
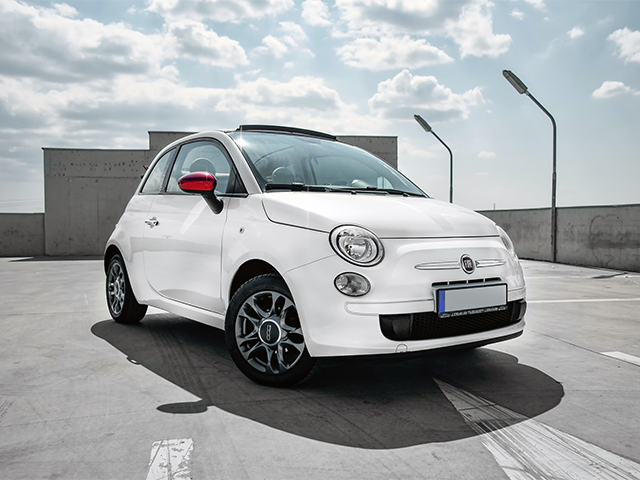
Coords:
623,356
609,276
171,460
530,450
586,300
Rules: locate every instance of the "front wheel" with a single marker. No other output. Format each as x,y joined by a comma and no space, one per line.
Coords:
264,334
122,303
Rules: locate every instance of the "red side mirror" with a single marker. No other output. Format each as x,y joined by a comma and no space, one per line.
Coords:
198,182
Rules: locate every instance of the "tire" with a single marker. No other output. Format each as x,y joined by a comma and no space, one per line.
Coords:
264,335
122,303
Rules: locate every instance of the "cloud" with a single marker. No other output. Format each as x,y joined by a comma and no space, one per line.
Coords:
515,13
292,35
611,89
539,4
628,43
51,45
193,40
272,45
473,32
117,113
380,17
468,22
407,149
316,13
65,10
575,32
302,92
484,154
391,53
170,72
218,10
407,94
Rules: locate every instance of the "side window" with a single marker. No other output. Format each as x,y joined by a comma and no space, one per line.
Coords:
202,156
156,177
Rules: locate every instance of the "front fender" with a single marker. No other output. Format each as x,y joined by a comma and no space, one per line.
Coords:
250,235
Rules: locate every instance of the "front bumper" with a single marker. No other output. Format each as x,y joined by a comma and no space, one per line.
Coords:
401,296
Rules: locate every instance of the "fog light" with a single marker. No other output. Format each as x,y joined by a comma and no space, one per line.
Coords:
352,284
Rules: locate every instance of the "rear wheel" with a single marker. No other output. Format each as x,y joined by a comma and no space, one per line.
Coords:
264,334
122,303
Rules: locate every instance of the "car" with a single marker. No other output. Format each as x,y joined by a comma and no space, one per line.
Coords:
301,247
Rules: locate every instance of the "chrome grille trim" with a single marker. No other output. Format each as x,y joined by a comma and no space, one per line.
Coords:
490,262
455,265
438,266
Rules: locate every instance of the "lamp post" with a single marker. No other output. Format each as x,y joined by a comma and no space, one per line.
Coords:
427,128
522,89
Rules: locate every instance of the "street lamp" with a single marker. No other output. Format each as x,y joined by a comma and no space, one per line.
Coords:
522,88
427,128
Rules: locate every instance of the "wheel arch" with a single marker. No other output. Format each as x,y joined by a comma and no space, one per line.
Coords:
109,253
249,270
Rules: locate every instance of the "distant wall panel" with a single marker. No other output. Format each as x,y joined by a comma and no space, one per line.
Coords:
21,234
83,216
599,236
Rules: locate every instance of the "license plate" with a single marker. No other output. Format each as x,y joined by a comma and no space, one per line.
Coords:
451,302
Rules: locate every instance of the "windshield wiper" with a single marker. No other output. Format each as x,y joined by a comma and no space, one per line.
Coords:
300,187
390,191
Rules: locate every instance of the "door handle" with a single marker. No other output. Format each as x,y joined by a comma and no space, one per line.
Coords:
152,222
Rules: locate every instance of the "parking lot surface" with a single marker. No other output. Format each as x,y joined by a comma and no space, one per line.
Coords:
82,397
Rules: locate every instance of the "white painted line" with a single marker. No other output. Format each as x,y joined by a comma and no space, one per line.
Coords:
171,460
588,276
586,300
530,450
623,356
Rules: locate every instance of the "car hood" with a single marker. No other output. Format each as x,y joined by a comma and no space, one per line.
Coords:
388,216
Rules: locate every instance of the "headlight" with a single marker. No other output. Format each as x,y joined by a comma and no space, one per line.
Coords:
507,241
357,245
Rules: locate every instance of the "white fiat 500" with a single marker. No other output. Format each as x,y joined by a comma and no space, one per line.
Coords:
300,247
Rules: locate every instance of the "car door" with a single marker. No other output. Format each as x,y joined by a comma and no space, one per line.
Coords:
183,237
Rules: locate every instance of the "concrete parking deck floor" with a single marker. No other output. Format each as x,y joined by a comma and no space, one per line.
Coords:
82,397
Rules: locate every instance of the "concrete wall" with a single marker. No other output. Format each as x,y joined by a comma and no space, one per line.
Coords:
21,234
530,230
385,148
87,190
605,236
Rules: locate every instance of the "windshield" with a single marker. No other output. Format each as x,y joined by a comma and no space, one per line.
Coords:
281,160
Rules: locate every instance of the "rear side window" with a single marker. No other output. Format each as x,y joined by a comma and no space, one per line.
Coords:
201,156
155,180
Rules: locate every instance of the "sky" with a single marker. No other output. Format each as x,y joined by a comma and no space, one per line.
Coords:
102,73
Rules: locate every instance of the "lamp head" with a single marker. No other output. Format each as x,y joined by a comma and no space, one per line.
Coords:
513,79
421,121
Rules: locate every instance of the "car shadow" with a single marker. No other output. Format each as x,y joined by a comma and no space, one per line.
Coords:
371,403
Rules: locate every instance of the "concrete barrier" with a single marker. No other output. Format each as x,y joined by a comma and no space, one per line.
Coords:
599,236
607,236
21,234
530,230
